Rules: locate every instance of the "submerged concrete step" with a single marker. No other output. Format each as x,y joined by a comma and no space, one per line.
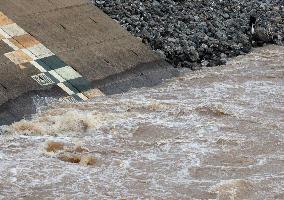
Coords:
67,49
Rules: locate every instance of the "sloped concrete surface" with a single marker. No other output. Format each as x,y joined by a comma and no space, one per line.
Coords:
66,49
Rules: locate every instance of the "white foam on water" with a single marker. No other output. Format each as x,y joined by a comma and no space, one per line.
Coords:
213,133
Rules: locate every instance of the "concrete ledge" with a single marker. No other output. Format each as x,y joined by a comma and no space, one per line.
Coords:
143,75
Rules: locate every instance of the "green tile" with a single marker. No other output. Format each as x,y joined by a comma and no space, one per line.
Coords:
53,62
45,66
51,77
71,87
81,84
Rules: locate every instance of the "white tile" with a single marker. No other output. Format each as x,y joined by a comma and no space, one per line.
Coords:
40,51
13,30
65,88
68,73
57,76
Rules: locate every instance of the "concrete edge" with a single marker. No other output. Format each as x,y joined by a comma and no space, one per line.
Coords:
143,75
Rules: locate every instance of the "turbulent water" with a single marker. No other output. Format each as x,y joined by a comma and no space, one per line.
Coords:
210,134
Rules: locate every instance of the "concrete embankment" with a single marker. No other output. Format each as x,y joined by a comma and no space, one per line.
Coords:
69,50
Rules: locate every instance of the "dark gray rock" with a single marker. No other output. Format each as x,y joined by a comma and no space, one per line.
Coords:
199,33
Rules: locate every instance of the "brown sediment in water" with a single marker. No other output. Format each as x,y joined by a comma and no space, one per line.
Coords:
70,121
52,146
84,160
69,153
215,110
226,141
68,157
27,127
214,133
233,189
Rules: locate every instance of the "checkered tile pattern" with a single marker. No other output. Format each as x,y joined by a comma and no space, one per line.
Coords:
28,50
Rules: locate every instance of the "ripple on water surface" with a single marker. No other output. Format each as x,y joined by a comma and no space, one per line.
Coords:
211,134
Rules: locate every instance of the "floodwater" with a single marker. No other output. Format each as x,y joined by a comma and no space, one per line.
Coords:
210,134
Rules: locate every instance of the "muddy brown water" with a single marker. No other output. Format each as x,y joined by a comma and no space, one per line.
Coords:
211,134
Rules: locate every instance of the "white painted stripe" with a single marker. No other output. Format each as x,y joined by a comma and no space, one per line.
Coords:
57,76
39,67
4,34
8,42
29,54
40,51
68,73
65,88
13,30
83,97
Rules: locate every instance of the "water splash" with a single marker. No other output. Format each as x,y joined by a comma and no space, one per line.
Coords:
210,134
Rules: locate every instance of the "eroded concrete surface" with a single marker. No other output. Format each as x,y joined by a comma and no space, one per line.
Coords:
211,134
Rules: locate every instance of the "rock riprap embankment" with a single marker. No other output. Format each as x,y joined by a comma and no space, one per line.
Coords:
201,32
